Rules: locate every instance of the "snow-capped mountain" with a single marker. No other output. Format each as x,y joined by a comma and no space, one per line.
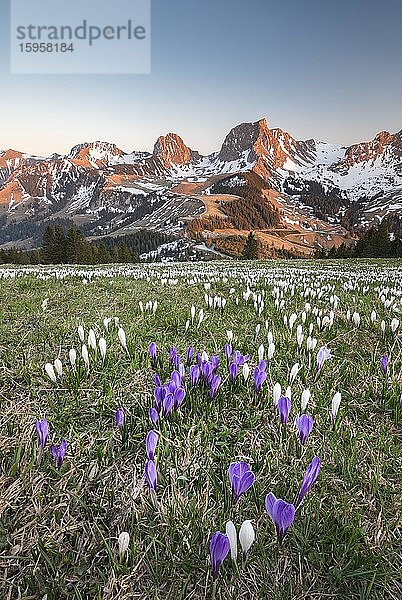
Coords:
315,193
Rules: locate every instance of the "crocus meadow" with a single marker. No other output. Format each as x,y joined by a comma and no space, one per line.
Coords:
224,430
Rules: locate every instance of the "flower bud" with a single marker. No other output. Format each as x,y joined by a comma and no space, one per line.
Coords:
124,542
246,537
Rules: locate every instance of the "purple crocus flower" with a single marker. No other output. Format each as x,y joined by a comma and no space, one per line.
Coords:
282,514
214,360
323,354
241,479
178,397
119,417
157,380
207,371
262,365
194,375
233,371
59,452
228,351
150,474
305,425
42,429
172,353
176,380
168,404
153,415
259,378
150,442
215,383
159,395
239,358
284,406
189,354
152,350
219,549
182,371
384,362
309,478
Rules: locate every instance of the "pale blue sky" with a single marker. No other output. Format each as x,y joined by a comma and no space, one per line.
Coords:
317,68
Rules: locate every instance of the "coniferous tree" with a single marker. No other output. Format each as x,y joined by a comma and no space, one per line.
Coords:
250,251
123,253
78,249
48,246
59,248
103,254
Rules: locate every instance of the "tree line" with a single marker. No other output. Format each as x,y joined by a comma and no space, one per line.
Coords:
382,241
70,246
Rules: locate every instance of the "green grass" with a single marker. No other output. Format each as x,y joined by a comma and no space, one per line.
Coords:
59,528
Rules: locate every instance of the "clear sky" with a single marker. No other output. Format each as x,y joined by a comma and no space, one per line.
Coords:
328,69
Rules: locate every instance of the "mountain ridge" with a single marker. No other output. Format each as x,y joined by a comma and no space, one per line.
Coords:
324,192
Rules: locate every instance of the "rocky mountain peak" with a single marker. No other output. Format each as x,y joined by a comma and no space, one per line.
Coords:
95,154
172,150
241,139
265,150
384,146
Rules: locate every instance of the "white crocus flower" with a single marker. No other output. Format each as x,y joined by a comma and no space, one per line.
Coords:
246,537
49,369
81,334
356,319
299,334
232,535
293,372
92,340
336,401
261,351
122,337
246,371
85,355
58,367
102,347
305,398
394,325
271,351
277,393
292,320
72,355
123,542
